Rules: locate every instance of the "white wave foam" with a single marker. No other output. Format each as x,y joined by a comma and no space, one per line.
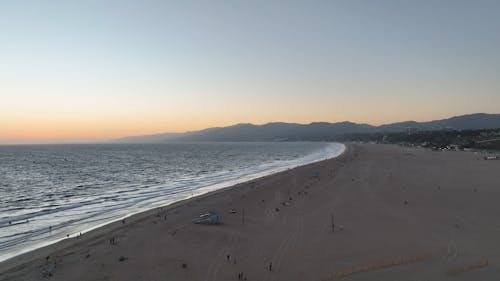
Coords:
103,209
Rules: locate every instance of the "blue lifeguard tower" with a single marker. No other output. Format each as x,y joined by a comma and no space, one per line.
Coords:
208,218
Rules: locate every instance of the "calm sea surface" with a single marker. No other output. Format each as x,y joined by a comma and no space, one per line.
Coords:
50,191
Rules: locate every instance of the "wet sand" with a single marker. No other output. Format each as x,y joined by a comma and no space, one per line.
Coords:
398,214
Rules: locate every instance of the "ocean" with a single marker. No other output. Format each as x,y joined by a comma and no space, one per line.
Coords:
51,192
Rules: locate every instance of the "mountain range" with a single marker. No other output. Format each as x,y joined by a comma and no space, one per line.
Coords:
317,131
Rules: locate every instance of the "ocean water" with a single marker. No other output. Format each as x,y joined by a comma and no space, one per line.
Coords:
48,192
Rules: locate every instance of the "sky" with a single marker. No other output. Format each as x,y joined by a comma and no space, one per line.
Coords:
98,69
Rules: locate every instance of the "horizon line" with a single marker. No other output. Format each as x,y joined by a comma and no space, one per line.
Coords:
107,140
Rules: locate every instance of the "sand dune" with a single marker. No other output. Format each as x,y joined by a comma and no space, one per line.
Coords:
405,214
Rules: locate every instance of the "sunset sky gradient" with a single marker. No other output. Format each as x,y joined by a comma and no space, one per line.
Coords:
95,70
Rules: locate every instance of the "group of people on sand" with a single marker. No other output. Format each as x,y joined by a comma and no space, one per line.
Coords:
241,276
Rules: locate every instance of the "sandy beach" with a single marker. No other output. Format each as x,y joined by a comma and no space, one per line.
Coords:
378,212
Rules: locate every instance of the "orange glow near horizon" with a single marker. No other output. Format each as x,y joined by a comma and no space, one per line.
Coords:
63,127
100,117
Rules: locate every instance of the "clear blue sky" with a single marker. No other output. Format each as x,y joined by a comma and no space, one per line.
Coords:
78,70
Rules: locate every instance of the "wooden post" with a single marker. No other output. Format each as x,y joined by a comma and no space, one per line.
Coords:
333,223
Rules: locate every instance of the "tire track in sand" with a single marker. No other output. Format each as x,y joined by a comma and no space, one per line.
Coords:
215,265
288,244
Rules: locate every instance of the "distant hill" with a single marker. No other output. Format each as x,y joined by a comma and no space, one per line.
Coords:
318,131
463,122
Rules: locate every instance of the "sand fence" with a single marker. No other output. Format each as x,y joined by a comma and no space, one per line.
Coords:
467,267
376,266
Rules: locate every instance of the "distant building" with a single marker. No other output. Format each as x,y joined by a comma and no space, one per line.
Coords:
411,130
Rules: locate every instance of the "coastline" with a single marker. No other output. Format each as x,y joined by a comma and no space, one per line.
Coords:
100,230
332,150
396,212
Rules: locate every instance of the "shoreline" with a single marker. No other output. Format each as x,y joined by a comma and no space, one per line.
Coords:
376,212
243,178
100,230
